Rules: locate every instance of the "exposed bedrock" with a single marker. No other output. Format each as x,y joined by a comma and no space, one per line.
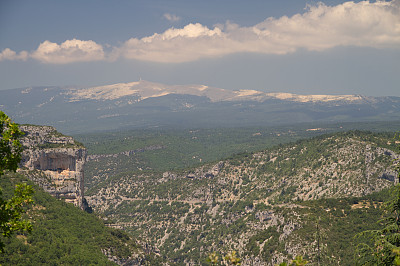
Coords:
55,162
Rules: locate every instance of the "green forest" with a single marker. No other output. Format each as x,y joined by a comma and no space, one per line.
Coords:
62,234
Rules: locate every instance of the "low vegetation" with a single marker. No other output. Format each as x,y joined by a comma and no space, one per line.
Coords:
265,205
62,234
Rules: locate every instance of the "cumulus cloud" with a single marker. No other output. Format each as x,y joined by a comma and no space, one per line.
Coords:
171,17
320,27
175,45
349,24
8,54
68,52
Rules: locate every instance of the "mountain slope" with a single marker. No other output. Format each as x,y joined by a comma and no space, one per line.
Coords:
65,235
146,104
264,205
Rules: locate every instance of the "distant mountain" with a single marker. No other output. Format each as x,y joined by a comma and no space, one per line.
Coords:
147,104
144,90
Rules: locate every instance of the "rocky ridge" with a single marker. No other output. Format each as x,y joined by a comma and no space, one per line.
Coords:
256,204
55,162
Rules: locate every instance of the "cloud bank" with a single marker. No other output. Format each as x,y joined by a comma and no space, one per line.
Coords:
320,27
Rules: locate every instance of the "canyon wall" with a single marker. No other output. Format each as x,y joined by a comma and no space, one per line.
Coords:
55,162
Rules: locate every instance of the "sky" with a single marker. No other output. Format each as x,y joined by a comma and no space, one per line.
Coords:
295,46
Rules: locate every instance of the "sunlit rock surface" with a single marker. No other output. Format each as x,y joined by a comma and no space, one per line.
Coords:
55,162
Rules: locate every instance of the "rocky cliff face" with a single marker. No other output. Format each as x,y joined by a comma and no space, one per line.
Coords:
55,162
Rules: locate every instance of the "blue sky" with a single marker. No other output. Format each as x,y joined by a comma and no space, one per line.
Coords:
305,47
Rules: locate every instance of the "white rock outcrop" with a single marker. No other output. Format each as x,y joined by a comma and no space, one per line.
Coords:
55,162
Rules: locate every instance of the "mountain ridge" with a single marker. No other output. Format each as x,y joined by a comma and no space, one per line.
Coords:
145,104
144,89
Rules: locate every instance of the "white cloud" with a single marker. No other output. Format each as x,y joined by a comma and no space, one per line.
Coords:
175,45
171,17
349,24
8,54
69,51
320,27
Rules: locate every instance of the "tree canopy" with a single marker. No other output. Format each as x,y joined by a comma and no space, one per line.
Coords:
11,210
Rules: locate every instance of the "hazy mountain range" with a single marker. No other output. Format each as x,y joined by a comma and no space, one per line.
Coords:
148,104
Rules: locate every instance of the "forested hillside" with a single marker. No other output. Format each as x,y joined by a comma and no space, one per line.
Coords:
264,204
162,149
65,235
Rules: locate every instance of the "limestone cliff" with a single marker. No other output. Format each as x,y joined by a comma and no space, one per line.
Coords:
55,162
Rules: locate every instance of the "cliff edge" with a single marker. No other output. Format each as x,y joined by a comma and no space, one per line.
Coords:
55,162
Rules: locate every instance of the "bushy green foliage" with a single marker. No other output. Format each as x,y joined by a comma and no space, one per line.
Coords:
297,261
10,147
11,210
64,235
229,259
